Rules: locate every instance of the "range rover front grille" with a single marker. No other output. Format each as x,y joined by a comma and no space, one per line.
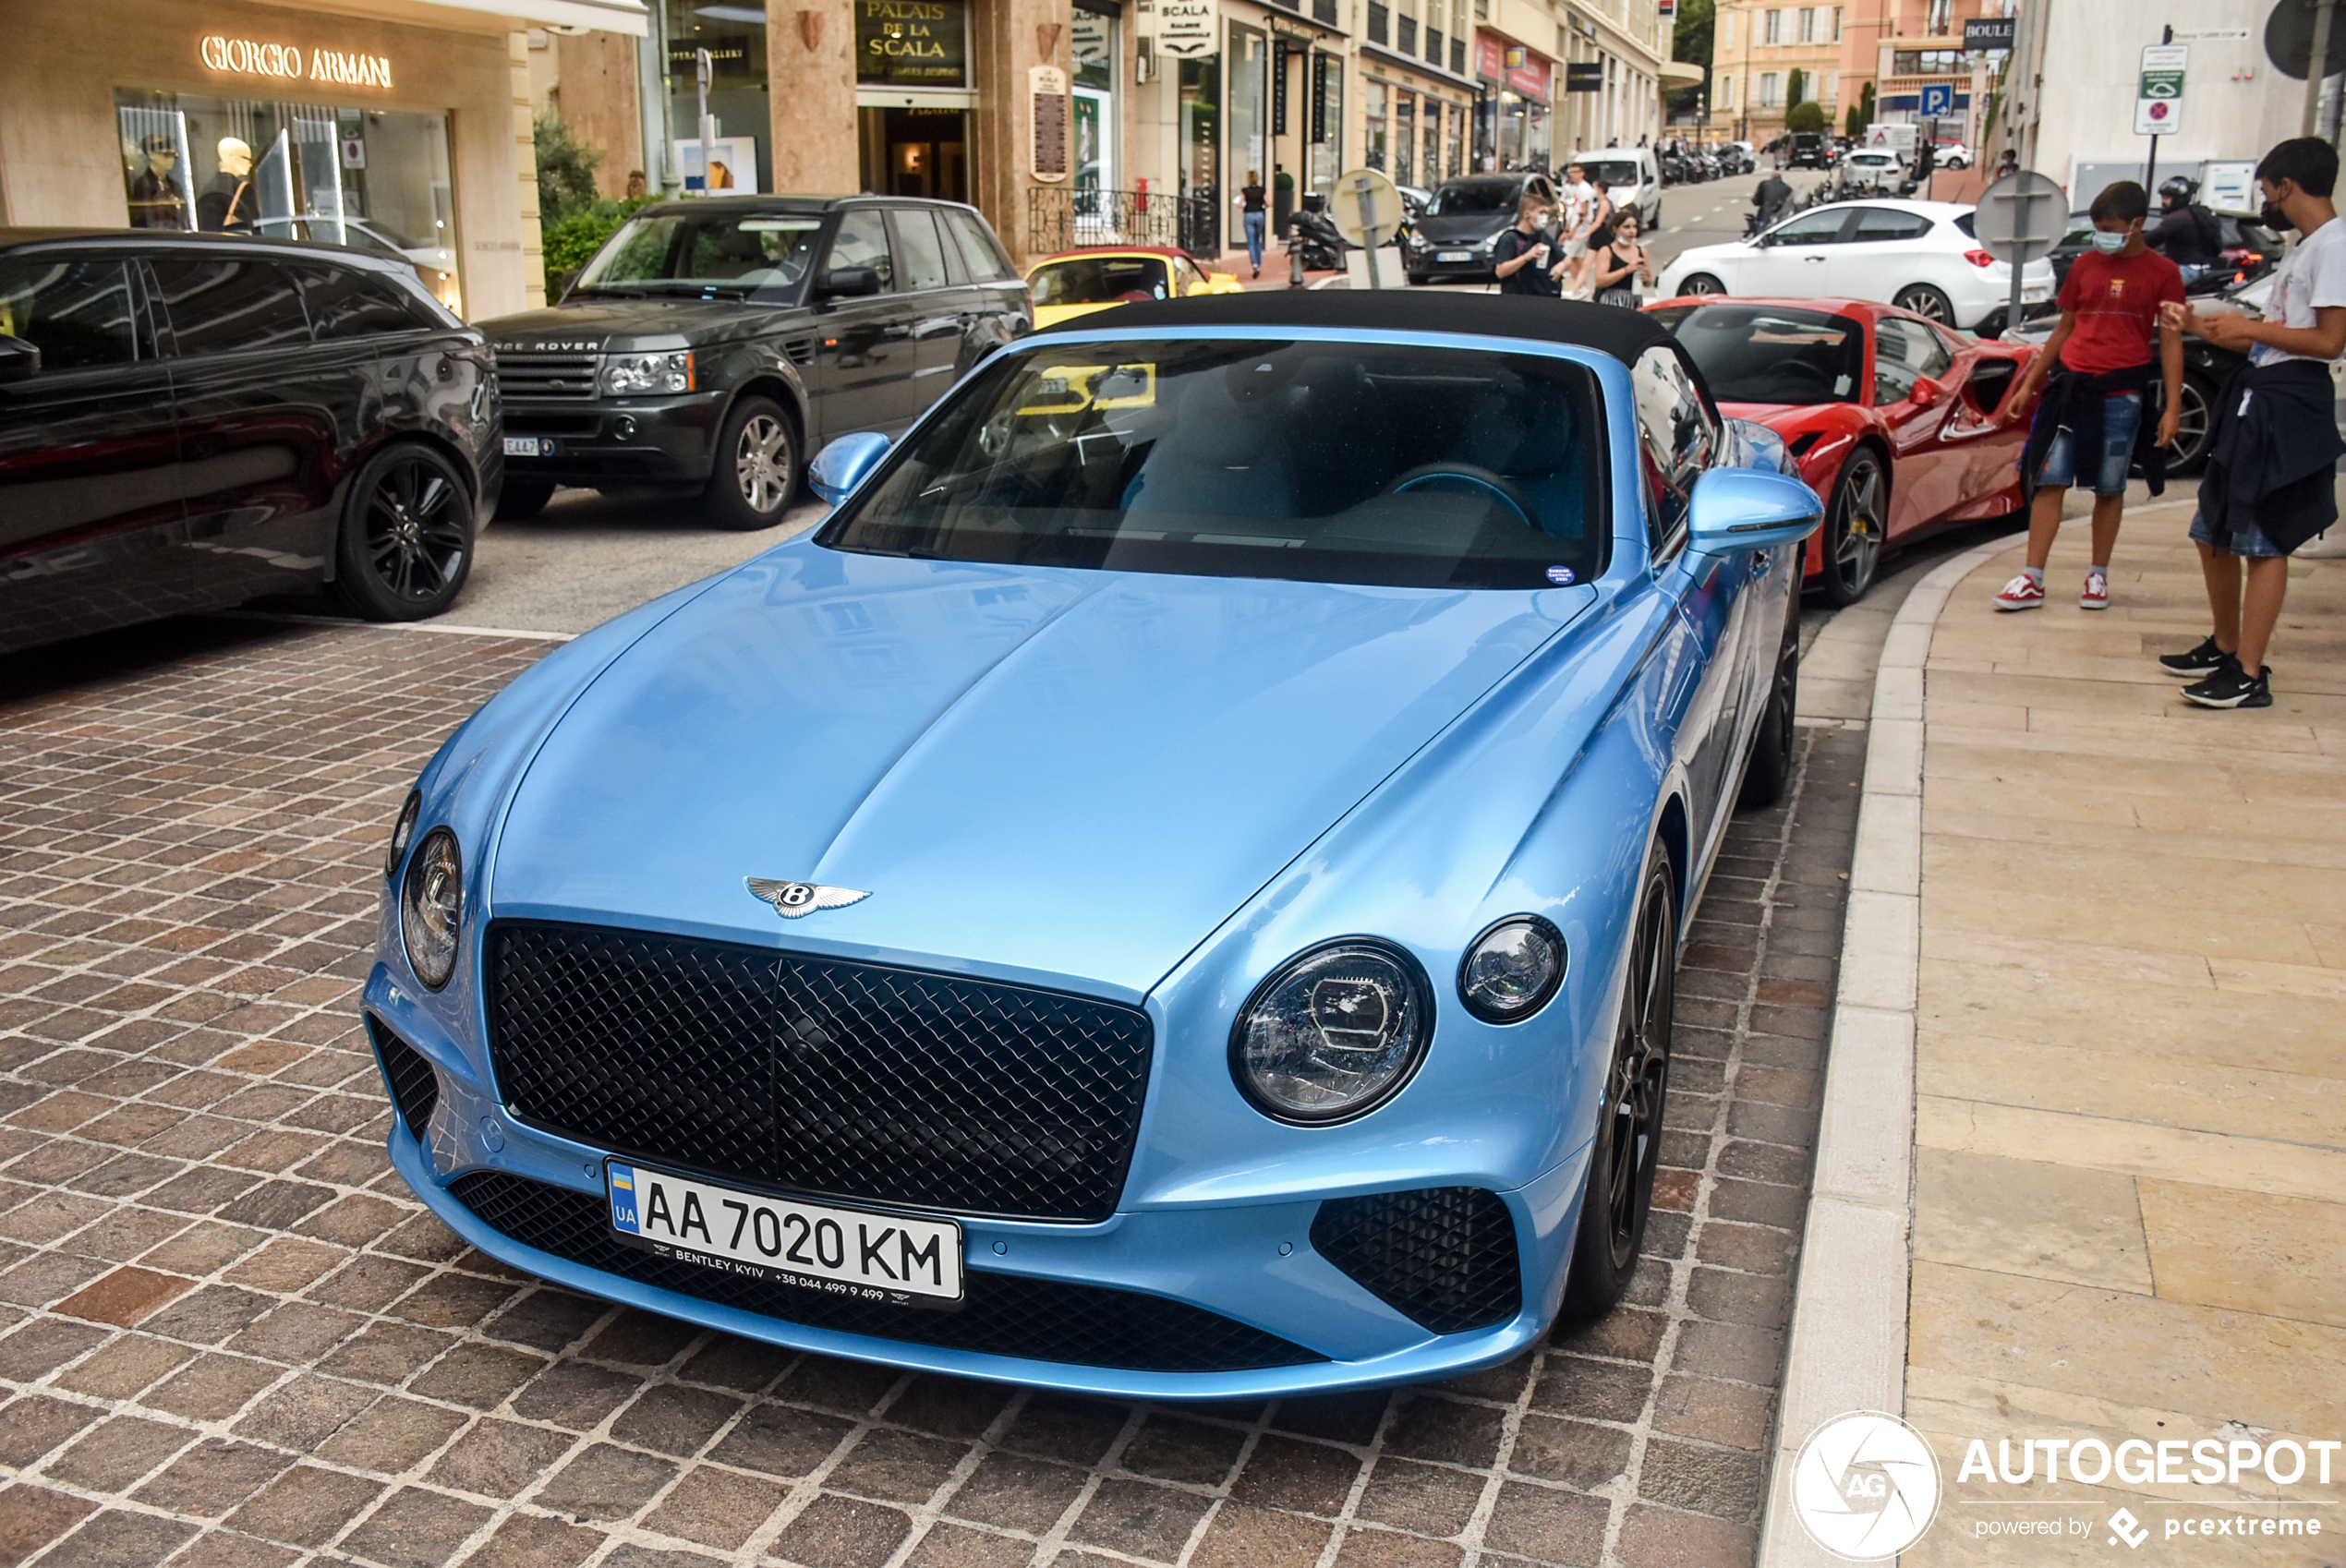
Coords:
821,1076
521,374
1000,1314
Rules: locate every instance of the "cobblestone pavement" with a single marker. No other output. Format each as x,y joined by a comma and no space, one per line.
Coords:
229,1336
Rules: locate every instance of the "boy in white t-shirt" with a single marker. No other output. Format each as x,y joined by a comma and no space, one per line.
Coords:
2271,478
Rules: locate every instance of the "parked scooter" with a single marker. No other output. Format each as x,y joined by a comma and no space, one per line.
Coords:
1314,239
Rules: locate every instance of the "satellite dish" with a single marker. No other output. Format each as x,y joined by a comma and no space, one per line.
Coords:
1366,208
2289,38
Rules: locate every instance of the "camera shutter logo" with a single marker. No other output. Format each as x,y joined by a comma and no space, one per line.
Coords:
1866,1485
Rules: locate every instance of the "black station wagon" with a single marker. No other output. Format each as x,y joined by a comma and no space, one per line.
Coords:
714,342
188,421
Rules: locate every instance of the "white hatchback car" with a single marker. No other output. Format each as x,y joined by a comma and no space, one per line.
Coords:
1871,170
1919,256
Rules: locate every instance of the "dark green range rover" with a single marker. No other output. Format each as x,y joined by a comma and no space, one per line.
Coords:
716,342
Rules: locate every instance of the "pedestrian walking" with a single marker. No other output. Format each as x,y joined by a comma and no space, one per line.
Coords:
1521,255
1578,219
1617,263
2271,483
1600,219
1251,216
2095,371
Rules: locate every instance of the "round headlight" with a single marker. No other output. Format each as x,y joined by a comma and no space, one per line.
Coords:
1512,969
431,908
1334,1033
401,834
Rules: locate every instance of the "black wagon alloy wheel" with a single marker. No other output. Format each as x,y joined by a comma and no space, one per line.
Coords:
406,543
1855,529
2189,453
1627,1149
1926,302
756,471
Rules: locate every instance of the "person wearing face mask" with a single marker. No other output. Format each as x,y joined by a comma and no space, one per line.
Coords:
2095,372
1520,256
2271,478
1617,263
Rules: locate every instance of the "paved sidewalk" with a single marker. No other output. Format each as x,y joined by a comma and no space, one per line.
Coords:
2130,1055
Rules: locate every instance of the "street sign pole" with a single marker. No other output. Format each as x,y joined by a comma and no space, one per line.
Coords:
2318,58
2159,96
2150,169
2019,219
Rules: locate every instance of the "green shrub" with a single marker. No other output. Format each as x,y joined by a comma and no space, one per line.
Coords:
1806,115
572,240
566,170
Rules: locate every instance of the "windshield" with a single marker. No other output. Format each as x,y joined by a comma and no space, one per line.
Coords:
1335,462
1615,172
1461,197
1768,353
1100,280
726,253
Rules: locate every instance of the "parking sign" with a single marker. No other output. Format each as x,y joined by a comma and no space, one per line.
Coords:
1938,100
2159,96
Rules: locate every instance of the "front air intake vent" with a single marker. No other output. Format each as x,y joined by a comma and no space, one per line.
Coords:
800,351
415,1087
1442,1256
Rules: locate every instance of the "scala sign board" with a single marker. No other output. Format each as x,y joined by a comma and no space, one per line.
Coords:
1186,27
2158,98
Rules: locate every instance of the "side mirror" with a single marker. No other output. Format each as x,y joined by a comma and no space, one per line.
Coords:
19,360
1925,393
846,463
845,282
1744,508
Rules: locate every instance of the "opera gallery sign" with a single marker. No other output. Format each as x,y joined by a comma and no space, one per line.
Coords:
289,62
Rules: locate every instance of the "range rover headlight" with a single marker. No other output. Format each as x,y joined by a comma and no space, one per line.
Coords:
627,375
1512,969
1334,1033
431,908
400,833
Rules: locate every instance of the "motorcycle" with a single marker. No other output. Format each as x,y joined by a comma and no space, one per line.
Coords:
1313,235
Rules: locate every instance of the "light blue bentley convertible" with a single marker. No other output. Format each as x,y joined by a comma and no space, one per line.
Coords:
1172,891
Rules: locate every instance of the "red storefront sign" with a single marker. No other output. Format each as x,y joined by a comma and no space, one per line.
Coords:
1533,79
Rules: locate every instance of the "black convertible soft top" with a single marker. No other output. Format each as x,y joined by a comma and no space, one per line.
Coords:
1623,334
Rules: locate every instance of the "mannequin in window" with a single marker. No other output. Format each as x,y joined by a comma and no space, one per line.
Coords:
227,200
155,202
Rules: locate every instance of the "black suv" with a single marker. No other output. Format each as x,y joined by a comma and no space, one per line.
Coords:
188,421
713,341
1809,150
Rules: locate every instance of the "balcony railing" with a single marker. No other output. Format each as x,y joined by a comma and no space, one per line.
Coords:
1062,220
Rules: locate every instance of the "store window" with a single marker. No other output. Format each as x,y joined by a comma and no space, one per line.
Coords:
736,39
374,179
1200,86
1433,140
1373,94
1098,165
1454,141
1327,120
1404,137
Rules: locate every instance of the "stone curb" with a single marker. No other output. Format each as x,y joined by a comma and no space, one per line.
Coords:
1848,1342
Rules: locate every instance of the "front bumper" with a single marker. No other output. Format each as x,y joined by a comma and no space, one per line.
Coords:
1250,1265
1476,269
617,441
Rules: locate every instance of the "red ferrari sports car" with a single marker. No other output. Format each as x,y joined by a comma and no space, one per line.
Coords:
1899,425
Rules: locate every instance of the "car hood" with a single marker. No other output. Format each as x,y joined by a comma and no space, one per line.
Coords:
1069,777
586,326
1460,228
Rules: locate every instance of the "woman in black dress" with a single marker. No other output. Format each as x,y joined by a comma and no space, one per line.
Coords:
1617,262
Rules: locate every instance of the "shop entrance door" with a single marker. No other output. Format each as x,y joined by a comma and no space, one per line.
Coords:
924,151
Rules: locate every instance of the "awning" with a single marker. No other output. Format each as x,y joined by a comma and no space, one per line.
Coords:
1676,74
629,16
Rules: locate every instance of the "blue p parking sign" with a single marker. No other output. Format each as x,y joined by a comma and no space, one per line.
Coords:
1938,100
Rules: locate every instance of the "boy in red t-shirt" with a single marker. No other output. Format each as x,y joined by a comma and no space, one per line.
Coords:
2087,425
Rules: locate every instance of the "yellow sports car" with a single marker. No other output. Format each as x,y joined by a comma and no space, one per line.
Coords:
1075,282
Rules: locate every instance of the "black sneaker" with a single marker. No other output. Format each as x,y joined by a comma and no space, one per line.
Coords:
2204,659
2232,687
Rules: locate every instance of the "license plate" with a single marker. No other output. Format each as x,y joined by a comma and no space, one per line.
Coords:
530,446
1454,256
850,1252
2033,295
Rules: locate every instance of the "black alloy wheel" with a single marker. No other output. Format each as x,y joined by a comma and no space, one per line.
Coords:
1627,1149
1702,282
2188,454
1926,302
1855,527
755,475
1769,771
406,539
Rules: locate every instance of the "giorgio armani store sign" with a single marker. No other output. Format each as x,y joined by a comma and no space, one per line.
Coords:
393,129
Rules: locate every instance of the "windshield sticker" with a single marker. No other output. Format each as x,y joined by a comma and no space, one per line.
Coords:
1560,575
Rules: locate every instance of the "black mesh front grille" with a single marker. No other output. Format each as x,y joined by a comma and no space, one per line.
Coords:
1443,1256
848,1080
414,1088
1001,1314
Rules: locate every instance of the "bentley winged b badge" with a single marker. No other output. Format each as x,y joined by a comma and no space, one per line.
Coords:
791,900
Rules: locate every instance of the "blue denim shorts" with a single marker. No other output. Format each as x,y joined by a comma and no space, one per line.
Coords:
2122,414
2249,540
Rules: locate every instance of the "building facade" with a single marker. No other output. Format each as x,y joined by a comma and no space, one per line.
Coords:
393,125
1767,56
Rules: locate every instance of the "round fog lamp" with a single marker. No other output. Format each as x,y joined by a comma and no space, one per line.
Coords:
1512,969
1334,1033
431,908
